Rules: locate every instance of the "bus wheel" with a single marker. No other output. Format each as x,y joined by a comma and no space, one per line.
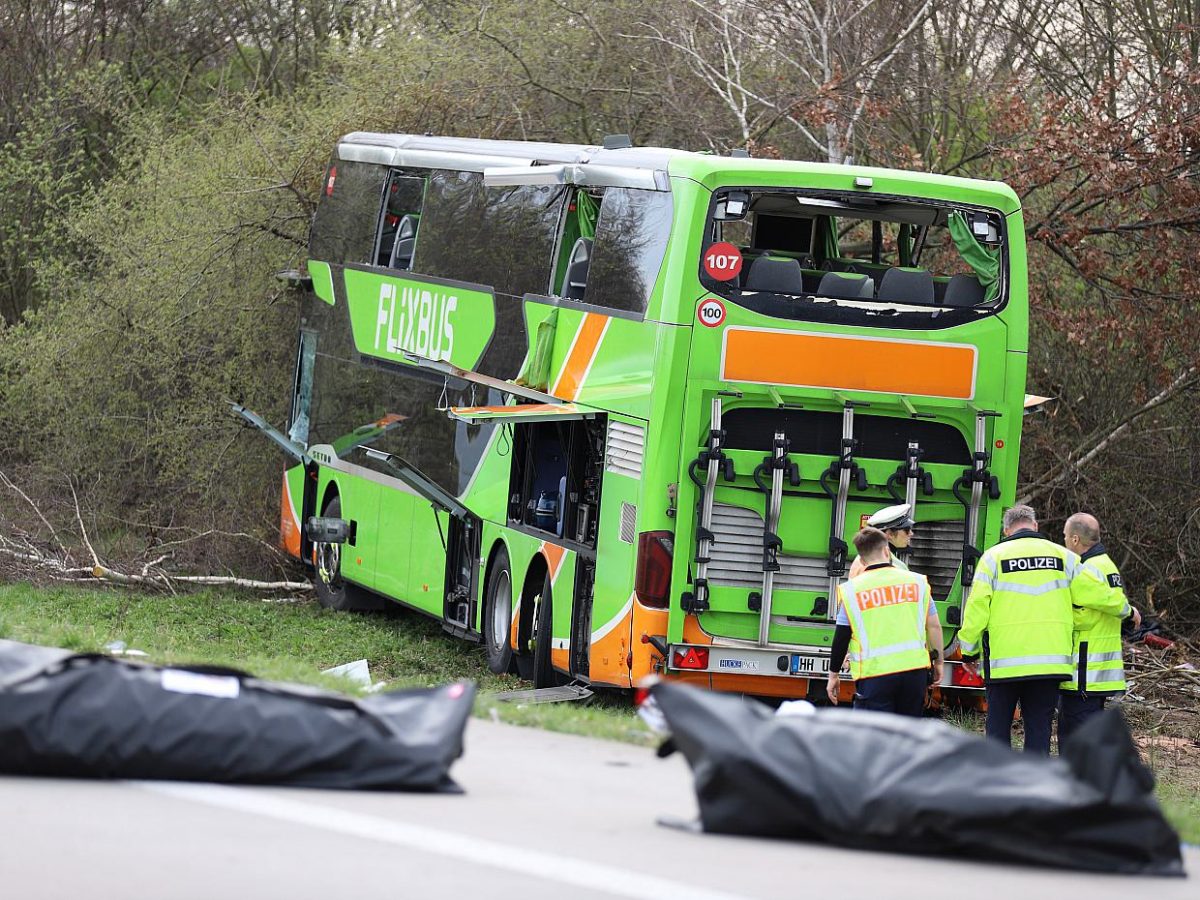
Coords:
497,615
543,668
333,591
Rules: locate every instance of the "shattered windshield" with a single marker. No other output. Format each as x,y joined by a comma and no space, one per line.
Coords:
826,256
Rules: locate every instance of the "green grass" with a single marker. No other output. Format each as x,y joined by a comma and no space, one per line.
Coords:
1180,799
295,641
291,642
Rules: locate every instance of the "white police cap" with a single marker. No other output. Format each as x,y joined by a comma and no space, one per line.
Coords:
892,517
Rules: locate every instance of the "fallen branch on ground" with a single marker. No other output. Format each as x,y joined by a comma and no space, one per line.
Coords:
28,556
106,574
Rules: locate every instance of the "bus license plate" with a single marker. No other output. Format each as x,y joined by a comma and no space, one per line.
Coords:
809,665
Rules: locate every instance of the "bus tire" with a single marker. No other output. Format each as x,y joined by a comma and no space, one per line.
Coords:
497,615
333,591
543,666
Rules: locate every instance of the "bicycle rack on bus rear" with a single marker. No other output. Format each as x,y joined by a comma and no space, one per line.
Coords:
777,464
714,460
843,469
978,478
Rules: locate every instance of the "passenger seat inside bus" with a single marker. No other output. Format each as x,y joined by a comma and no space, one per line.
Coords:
846,286
775,275
577,269
963,291
405,245
903,285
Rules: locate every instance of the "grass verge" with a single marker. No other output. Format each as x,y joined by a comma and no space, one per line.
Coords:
294,641
291,641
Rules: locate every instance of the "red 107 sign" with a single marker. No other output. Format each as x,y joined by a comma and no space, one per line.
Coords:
723,261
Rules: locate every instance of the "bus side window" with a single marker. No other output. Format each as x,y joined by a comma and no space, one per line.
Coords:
398,221
344,228
302,399
631,240
502,237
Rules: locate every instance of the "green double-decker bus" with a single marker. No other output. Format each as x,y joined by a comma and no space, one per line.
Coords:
613,411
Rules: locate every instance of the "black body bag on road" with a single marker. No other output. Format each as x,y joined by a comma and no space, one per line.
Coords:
86,715
884,782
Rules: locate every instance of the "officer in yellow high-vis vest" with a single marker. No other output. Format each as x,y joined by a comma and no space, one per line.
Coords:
1019,617
1097,664
888,624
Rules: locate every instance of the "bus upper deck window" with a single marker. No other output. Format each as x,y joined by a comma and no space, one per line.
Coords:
627,253
396,240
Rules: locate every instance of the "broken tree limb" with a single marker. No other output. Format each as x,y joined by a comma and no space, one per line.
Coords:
106,574
1081,457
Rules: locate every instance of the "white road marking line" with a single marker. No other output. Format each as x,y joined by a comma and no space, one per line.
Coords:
531,863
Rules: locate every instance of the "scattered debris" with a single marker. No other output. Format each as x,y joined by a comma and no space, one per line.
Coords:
356,672
47,555
162,579
543,695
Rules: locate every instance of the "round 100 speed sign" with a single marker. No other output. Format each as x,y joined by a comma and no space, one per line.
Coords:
711,312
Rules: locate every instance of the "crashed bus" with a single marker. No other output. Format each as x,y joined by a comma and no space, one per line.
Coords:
617,411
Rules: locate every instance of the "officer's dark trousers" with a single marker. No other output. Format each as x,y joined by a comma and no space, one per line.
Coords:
903,692
1075,709
1038,698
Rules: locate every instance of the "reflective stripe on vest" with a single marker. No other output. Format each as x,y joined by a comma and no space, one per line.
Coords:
1032,590
1042,660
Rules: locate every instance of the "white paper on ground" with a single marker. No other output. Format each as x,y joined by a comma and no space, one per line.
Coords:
356,671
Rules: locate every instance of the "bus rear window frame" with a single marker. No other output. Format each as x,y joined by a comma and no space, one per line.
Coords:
787,306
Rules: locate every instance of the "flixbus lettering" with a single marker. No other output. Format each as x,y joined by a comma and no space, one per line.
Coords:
421,325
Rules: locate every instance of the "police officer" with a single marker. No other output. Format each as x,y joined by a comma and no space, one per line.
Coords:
888,624
897,524
1097,667
1019,617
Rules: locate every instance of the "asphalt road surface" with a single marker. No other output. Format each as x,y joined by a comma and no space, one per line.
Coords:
545,815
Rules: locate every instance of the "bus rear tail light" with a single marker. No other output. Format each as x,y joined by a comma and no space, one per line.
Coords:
960,677
689,658
329,182
652,580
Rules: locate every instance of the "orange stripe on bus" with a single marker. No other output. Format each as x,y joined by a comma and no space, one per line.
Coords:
560,658
851,364
579,359
289,523
554,557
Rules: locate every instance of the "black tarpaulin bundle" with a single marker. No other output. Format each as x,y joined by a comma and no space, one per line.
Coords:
85,715
884,782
